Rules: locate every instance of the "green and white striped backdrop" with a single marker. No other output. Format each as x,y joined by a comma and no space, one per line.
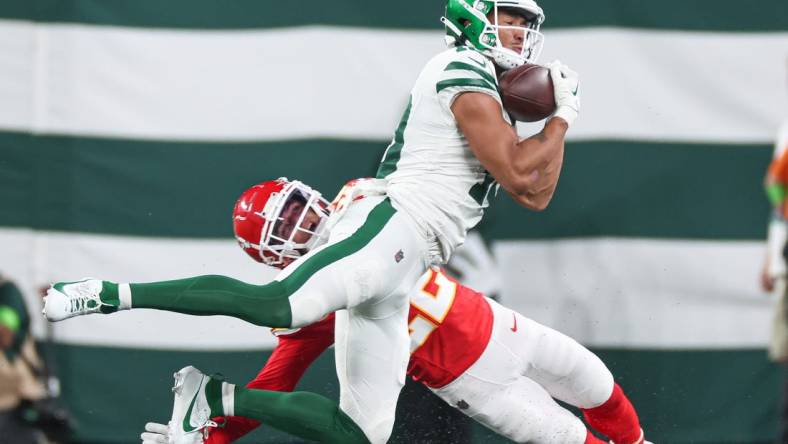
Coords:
128,128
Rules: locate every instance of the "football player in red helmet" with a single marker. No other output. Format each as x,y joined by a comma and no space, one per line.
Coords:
459,342
278,221
454,141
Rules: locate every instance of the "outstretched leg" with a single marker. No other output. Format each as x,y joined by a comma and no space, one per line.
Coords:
511,405
324,278
372,259
199,397
573,374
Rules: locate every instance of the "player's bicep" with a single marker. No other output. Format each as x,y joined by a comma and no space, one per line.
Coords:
490,137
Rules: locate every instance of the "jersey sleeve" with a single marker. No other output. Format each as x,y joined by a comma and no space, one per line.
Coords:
467,71
287,364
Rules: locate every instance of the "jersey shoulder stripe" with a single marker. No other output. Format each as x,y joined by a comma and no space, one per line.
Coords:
457,65
478,83
465,70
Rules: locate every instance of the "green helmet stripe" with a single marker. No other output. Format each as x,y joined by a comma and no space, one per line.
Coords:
470,21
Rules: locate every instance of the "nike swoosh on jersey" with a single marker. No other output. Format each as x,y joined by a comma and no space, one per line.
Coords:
187,424
482,64
514,329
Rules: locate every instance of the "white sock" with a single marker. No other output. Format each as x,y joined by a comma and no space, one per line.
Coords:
228,398
124,294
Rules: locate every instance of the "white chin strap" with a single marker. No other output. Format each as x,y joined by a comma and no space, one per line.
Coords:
506,58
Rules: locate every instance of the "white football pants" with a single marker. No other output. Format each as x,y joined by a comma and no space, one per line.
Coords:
510,389
371,261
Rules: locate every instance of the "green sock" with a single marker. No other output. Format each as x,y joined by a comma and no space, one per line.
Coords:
109,293
303,414
264,305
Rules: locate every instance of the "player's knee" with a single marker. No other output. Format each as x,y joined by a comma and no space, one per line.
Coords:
596,383
307,311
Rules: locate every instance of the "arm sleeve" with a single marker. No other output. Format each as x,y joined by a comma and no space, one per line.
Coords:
287,364
468,72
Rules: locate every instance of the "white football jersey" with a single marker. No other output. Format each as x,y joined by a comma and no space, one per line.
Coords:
431,172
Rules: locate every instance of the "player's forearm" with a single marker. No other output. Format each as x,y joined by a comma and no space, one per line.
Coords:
527,169
537,163
537,202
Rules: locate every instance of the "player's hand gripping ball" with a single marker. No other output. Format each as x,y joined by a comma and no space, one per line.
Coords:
527,92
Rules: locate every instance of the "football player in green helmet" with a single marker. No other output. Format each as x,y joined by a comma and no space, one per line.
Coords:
454,143
507,31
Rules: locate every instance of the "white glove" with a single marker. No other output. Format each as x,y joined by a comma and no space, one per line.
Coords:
156,433
566,84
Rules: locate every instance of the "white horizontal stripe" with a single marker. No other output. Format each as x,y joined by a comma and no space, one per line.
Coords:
17,52
353,83
641,293
676,86
603,292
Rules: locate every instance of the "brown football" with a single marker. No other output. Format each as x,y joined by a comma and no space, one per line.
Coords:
527,92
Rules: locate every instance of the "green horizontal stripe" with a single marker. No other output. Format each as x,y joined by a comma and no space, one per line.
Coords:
687,397
179,189
681,397
644,189
90,376
697,15
478,83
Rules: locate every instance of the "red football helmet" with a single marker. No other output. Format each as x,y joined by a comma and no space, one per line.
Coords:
279,219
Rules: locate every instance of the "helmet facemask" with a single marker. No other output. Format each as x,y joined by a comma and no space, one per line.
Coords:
295,220
532,39
466,21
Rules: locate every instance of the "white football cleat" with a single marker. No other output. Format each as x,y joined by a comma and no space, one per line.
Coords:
68,299
191,412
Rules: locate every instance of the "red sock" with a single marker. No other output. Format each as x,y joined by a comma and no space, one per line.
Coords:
591,439
616,418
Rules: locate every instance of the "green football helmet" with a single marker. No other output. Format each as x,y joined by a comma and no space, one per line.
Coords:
467,24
